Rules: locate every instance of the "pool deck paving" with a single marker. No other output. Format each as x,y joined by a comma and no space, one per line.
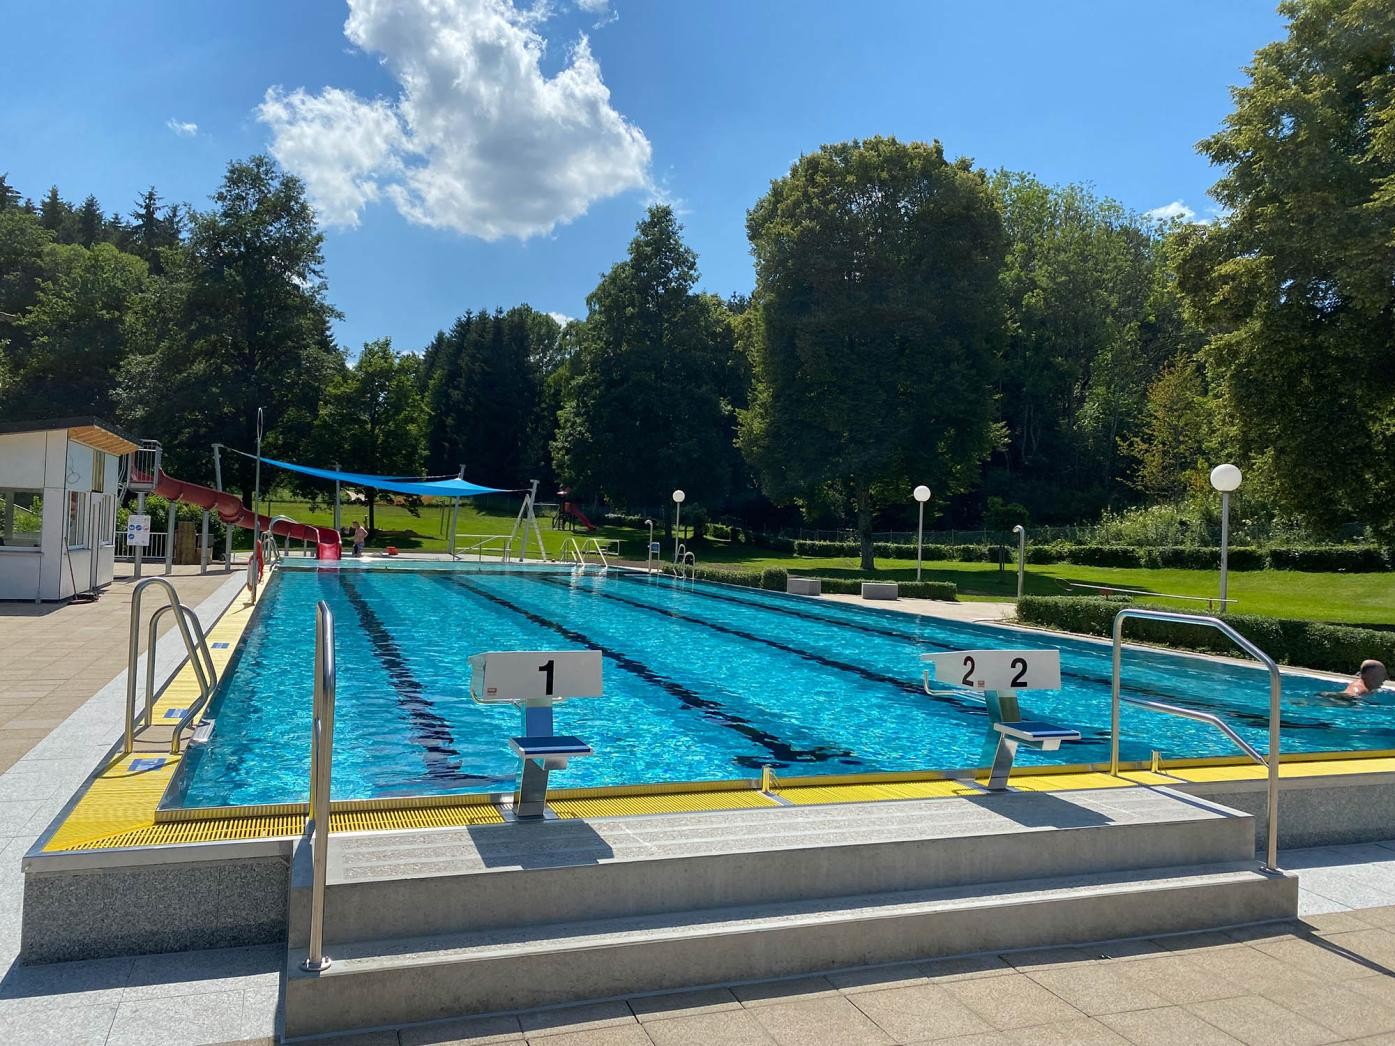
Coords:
57,655
1327,977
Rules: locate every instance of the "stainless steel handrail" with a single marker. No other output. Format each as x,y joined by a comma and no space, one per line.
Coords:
1276,688
689,561
271,531
321,772
205,673
1201,717
605,563
571,546
181,619
478,547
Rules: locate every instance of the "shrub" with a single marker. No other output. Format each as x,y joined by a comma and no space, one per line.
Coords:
1353,558
741,578
774,578
945,590
1311,644
1105,555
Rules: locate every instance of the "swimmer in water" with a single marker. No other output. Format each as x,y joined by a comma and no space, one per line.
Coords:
1369,679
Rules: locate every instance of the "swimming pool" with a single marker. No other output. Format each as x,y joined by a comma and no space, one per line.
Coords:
702,682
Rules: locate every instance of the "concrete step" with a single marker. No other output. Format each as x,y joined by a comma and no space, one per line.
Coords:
393,982
409,884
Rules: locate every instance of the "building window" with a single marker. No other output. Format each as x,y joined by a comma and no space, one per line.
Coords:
21,518
99,472
77,519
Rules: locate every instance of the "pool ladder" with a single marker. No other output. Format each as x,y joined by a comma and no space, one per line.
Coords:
1276,688
579,552
684,564
195,645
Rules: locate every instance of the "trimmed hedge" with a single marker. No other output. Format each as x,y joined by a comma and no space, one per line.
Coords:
1323,558
1310,644
1353,558
945,590
890,550
773,579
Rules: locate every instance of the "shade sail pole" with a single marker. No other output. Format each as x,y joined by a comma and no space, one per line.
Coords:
454,515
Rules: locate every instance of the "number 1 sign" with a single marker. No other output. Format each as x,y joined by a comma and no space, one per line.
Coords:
507,676
999,669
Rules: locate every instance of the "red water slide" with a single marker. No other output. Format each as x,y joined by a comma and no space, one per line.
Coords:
231,510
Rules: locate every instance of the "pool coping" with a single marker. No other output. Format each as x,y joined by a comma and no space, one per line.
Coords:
283,823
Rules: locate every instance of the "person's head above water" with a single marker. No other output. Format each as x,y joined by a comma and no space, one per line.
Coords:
1373,674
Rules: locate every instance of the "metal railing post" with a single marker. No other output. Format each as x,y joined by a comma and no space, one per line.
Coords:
1276,685
321,772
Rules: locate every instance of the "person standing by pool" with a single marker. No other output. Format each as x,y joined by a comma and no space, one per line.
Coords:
1369,679
359,535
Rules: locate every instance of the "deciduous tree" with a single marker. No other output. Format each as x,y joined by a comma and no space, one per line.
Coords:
877,284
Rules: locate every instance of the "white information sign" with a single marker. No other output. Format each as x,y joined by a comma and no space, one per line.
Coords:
138,530
499,676
999,669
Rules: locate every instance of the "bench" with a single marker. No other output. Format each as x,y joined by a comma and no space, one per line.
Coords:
999,675
533,681
804,586
880,590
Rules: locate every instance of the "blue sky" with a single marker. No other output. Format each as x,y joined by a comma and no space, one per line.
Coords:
465,154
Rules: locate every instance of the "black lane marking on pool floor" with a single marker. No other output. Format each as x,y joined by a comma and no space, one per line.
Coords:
1258,719
975,709
429,730
713,710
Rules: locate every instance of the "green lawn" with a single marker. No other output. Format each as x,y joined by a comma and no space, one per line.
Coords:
1349,598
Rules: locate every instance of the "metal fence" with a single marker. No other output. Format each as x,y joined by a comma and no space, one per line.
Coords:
154,550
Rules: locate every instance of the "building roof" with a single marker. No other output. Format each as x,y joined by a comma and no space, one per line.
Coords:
87,430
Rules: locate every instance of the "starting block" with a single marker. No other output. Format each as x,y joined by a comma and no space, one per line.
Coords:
533,681
999,675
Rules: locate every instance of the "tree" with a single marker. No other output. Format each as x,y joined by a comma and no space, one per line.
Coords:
240,322
1297,283
1177,430
373,417
877,285
483,380
80,331
153,229
1091,317
648,406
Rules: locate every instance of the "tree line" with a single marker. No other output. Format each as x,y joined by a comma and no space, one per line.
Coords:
1024,349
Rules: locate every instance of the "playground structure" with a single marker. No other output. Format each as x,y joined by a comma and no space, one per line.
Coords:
568,515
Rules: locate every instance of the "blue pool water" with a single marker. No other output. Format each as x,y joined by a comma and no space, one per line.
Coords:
702,682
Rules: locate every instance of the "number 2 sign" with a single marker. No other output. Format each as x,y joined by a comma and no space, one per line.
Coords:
999,669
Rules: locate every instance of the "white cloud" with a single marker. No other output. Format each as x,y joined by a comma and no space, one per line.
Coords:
562,318
338,143
1170,211
183,128
604,13
478,140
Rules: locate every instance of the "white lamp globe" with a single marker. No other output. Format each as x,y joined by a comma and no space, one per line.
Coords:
678,496
1225,478
922,493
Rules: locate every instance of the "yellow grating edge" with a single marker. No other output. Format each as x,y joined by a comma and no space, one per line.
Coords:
234,828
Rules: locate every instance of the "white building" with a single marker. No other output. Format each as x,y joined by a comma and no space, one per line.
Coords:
59,484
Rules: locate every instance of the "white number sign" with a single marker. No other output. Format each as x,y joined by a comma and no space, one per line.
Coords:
499,676
999,669
137,530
